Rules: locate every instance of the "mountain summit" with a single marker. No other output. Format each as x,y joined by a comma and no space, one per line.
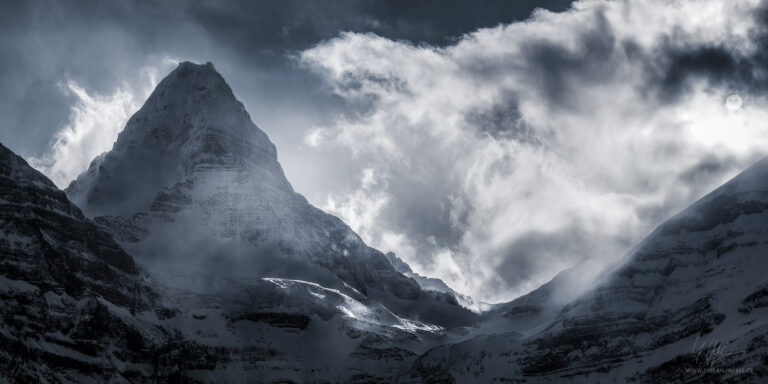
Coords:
192,122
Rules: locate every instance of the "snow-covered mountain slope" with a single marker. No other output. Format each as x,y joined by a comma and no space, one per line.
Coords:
530,313
77,308
65,285
192,183
689,304
294,331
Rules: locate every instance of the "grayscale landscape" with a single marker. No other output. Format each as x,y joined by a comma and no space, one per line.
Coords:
429,192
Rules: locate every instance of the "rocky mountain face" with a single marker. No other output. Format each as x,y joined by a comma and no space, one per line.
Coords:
687,305
67,288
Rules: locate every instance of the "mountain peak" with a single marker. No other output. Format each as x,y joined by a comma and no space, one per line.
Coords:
193,85
41,213
192,162
189,72
188,65
192,122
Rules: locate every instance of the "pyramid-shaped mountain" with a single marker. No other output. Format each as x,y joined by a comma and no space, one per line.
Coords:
191,125
191,182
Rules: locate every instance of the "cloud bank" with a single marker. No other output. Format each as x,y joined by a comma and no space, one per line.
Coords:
495,162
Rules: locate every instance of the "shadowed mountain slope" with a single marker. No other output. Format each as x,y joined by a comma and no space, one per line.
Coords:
689,304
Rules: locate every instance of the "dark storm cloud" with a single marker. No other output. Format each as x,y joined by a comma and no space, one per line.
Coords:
709,167
273,27
559,69
696,181
524,256
503,121
670,67
714,63
537,250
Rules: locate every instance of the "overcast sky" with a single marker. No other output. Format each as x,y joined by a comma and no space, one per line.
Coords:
485,142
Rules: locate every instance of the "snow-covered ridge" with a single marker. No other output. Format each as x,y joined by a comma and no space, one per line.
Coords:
353,308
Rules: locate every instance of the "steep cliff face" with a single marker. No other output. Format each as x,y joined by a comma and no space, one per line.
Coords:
191,158
65,284
688,304
47,240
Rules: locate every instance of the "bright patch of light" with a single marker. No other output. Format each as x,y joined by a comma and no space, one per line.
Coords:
733,102
95,120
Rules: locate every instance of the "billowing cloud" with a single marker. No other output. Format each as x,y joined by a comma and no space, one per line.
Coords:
94,122
522,149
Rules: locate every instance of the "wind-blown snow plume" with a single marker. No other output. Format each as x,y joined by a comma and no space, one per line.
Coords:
521,149
95,120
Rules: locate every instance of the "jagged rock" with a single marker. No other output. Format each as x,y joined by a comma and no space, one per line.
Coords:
66,287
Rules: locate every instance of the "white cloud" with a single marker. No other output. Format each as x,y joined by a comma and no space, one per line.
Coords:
95,120
314,137
544,139
360,207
